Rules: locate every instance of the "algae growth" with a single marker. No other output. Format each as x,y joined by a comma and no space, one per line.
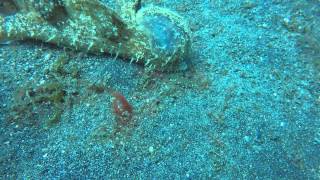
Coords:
155,37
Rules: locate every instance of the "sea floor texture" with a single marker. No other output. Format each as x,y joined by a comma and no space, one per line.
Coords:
247,106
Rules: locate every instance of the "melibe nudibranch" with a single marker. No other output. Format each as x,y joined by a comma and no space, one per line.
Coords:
153,36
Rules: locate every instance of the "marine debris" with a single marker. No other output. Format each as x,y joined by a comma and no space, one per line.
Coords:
153,36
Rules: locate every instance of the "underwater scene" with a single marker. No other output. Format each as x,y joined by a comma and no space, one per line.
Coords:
160,89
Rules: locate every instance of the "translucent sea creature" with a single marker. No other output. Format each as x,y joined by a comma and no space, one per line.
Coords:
122,109
153,36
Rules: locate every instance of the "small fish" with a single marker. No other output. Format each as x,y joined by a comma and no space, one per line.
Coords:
6,42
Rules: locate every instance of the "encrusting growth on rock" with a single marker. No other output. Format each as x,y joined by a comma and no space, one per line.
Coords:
153,36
